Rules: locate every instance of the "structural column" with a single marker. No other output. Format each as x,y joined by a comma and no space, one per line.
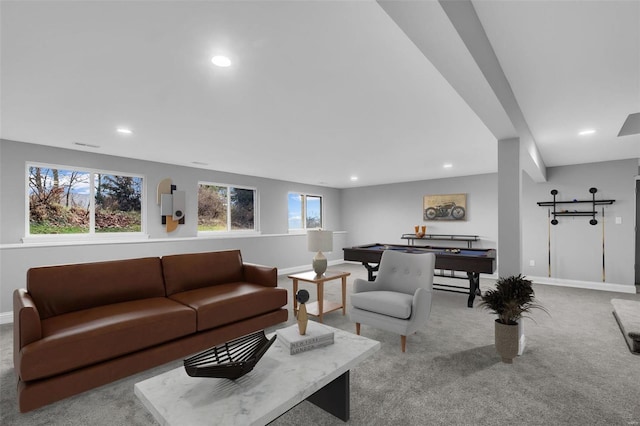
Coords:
509,194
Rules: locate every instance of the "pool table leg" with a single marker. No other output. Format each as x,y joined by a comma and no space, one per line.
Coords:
370,270
474,287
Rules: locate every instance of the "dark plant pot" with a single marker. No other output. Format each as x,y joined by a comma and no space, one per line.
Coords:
507,341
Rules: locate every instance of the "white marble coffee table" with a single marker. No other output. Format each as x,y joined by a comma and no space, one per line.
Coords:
277,383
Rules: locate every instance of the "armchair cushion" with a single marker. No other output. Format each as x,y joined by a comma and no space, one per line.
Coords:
393,304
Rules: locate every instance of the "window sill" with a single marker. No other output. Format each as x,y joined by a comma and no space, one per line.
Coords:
62,239
228,234
33,241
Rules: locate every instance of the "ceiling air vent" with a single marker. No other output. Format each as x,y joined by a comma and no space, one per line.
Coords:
88,145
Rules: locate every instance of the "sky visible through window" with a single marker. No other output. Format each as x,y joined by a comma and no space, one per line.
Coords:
313,212
305,211
295,211
76,183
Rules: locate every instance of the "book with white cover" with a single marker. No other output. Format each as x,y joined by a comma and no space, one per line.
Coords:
309,347
316,335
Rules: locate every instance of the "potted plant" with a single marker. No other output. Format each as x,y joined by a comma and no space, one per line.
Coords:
510,300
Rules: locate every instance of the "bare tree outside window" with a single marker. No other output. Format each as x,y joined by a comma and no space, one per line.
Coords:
60,202
225,208
47,213
212,208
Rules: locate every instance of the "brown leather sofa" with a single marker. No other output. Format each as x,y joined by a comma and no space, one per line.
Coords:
80,326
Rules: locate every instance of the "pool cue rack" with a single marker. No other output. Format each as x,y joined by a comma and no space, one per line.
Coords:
558,213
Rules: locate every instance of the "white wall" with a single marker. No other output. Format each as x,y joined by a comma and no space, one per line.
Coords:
576,246
272,193
381,214
273,247
363,215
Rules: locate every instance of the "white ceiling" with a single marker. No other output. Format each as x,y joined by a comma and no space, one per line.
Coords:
572,65
318,90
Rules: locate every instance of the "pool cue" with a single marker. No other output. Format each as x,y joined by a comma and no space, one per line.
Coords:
549,240
603,271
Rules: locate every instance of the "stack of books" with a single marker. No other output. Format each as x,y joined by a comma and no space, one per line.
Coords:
317,335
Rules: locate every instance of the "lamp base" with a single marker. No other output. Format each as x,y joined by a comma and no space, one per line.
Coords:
319,263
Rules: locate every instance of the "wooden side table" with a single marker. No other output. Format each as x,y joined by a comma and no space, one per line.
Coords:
321,307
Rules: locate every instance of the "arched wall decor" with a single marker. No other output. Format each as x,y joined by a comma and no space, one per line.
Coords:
172,204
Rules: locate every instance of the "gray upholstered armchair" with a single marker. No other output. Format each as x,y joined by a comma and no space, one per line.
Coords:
399,300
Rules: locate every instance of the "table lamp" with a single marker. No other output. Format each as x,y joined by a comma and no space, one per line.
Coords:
319,241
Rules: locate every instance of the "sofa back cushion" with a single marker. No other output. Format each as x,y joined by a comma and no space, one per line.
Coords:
58,290
183,272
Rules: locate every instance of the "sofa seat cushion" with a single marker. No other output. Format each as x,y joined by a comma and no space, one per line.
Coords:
227,303
83,338
391,303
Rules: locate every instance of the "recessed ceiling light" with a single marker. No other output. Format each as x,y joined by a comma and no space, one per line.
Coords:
587,132
354,178
124,131
447,165
221,61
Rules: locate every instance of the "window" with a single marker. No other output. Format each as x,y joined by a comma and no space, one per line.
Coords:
224,208
305,211
74,201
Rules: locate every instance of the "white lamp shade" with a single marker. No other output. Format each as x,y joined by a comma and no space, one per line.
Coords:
320,240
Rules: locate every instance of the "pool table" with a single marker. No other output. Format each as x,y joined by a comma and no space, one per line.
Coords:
472,261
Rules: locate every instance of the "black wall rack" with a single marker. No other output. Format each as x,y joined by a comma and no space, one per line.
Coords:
567,212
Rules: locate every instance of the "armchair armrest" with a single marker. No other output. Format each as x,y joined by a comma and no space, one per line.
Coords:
420,308
26,323
360,285
260,274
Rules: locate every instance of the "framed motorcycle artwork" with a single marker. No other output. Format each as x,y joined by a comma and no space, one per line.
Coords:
445,207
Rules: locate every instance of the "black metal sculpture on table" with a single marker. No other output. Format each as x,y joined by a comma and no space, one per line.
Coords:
230,360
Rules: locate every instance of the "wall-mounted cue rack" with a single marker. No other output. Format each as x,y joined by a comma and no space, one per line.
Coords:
566,212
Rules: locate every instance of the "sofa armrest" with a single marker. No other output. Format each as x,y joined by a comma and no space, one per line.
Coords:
260,274
26,323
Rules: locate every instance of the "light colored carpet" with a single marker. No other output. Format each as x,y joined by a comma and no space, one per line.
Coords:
576,370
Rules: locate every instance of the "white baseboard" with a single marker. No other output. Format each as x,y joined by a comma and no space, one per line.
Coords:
618,288
6,317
